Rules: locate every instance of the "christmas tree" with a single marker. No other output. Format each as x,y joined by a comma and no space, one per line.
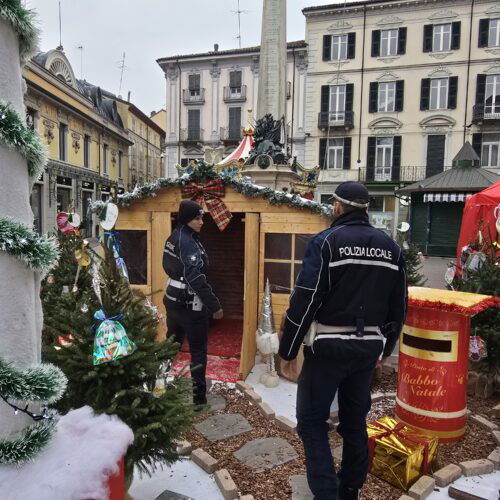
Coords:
411,254
124,386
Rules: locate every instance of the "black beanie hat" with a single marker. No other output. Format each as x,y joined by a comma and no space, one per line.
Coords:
188,210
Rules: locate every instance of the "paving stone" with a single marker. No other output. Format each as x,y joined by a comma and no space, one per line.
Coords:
476,467
447,475
184,447
247,497
405,497
337,453
243,386
265,453
285,423
204,460
219,427
170,495
252,395
454,492
216,402
484,423
494,457
496,410
300,488
496,436
266,410
226,484
422,488
334,417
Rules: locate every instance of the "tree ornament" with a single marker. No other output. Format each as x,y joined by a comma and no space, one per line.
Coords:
477,348
50,279
63,223
267,339
111,341
108,216
84,308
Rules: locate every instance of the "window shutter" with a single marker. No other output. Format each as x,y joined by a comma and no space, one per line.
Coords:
480,88
428,28
351,45
484,28
322,153
346,165
396,157
194,123
402,41
325,98
455,35
373,100
375,43
234,122
235,79
194,82
425,90
452,92
327,47
184,162
400,95
370,159
349,91
477,143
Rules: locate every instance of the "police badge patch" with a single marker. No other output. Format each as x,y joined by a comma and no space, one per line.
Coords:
193,258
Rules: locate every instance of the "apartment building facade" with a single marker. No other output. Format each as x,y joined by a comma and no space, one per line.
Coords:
393,89
210,95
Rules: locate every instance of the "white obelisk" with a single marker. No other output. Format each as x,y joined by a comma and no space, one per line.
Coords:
272,63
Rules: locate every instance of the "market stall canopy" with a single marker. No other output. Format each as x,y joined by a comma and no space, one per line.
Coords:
240,154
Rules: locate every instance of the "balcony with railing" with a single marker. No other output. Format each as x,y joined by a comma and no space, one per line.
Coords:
235,94
230,135
336,119
406,173
485,113
192,135
196,96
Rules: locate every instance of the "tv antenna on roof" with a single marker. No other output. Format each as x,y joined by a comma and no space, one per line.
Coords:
239,12
60,28
80,48
121,65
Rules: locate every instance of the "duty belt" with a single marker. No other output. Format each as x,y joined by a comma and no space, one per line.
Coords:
319,331
176,284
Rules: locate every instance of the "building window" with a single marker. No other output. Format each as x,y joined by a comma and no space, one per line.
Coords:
194,125
383,158
234,123
386,96
337,103
30,118
235,83
494,33
63,142
283,254
439,93
388,42
63,198
120,164
325,198
490,149
441,37
339,47
86,151
105,152
335,153
194,85
86,213
36,207
376,203
492,95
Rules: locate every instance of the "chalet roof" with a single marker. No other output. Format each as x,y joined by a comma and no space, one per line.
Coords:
466,153
454,179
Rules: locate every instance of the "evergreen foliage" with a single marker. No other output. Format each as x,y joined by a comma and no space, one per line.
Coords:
413,265
123,387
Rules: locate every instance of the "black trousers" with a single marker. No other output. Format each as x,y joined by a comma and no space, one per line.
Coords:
319,381
181,323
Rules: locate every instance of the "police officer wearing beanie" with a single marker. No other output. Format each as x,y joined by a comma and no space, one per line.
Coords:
189,299
348,307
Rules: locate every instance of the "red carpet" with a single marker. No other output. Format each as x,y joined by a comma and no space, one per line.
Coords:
224,338
224,370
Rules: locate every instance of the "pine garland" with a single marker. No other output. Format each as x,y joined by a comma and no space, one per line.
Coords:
22,22
242,185
16,135
38,252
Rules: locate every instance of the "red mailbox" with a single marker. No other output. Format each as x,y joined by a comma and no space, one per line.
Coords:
433,360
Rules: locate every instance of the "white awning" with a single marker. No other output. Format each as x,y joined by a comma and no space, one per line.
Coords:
438,197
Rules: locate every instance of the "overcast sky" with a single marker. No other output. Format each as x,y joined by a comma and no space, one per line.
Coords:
148,29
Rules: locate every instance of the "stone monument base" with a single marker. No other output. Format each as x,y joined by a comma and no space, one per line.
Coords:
275,176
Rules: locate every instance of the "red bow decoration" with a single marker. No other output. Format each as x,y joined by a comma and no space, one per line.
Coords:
210,194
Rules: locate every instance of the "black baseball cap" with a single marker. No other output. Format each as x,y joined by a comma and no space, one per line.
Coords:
352,193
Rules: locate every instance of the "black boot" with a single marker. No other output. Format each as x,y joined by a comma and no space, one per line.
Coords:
346,493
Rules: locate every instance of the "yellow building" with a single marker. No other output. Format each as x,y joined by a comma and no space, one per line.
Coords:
160,118
86,140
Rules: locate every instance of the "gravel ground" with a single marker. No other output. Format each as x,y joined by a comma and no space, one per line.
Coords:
273,484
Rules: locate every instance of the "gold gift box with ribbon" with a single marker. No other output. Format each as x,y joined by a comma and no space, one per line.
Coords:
399,454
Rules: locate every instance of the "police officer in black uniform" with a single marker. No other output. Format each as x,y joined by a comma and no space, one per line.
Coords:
189,299
348,306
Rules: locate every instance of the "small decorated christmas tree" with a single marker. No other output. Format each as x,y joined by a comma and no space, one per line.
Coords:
112,360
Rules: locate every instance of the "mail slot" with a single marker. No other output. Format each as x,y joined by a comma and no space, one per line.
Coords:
433,361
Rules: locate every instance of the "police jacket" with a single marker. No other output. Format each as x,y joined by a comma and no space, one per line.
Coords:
350,297
186,262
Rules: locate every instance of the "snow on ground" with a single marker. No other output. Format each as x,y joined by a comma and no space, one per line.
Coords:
183,477
486,486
